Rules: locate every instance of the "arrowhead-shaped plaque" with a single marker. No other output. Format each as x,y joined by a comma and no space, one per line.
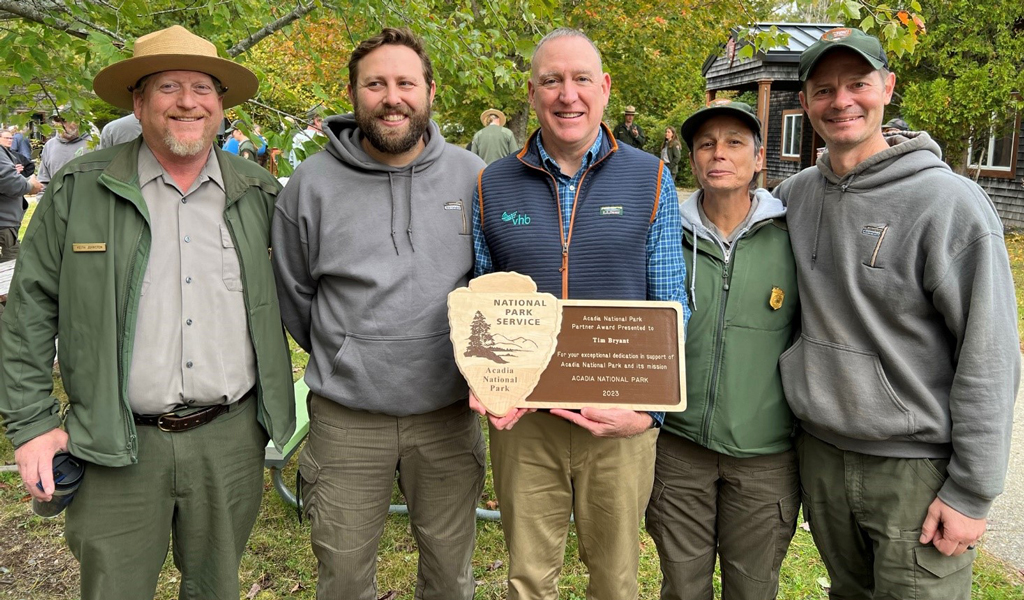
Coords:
504,334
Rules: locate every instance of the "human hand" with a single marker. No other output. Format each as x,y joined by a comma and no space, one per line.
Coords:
608,422
950,531
35,462
36,185
19,167
500,423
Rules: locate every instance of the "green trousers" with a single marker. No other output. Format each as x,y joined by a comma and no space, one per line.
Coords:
866,513
199,489
706,504
348,469
546,470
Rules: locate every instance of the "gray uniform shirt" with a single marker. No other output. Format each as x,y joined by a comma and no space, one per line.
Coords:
192,345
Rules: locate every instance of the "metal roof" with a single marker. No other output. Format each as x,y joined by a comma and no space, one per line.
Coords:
801,36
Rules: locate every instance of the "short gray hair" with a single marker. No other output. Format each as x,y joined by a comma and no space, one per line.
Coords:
562,32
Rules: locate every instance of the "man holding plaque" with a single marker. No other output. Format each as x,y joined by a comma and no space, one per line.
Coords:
370,236
603,223
905,375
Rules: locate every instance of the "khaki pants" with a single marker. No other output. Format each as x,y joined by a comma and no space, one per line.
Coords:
546,469
866,514
200,489
348,469
706,504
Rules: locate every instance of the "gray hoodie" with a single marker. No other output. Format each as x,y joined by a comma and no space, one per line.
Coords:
58,152
909,345
13,188
365,255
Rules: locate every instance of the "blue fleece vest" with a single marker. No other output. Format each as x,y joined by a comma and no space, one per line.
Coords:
615,203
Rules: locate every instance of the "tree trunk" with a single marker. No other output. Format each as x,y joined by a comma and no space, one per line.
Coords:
517,121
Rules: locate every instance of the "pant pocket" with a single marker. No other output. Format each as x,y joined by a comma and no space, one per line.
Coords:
309,472
789,508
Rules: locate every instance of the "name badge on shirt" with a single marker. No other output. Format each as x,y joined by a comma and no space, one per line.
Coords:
94,247
611,210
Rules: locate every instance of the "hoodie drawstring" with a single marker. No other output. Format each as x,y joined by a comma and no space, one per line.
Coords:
412,186
391,182
817,228
693,273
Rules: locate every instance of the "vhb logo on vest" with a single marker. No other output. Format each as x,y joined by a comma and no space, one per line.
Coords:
515,218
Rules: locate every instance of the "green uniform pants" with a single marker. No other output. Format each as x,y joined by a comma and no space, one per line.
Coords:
200,489
705,504
866,513
545,470
348,468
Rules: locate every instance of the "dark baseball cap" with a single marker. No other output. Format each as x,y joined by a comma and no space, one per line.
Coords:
843,37
717,108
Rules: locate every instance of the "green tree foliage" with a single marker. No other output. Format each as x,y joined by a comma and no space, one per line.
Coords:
967,74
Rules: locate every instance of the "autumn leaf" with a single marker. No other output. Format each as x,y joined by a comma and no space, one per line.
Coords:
904,17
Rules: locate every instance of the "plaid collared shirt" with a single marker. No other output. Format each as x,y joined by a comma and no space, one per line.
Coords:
666,269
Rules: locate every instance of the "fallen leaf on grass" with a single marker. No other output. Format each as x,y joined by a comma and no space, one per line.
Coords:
825,583
389,596
494,566
255,589
805,526
492,505
295,588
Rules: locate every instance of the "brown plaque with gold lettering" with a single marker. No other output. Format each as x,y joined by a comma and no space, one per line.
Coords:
519,348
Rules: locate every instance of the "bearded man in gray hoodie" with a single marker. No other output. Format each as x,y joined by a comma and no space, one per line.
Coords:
905,374
370,236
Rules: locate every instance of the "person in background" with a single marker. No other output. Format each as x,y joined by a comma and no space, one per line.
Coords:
313,130
629,132
14,185
20,144
23,164
671,151
896,125
67,143
726,483
119,131
246,149
494,140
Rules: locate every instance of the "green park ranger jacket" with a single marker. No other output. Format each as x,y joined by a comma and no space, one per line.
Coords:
79,276
745,314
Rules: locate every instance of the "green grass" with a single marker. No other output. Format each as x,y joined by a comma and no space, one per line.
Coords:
280,561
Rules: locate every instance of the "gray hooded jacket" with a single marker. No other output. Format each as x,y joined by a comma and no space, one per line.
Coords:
909,345
365,255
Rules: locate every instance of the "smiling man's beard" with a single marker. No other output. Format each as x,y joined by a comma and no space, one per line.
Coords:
181,148
391,142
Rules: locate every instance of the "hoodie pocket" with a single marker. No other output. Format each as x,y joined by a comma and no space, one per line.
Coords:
382,369
843,390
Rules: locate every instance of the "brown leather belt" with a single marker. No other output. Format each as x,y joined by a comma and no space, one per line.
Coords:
171,422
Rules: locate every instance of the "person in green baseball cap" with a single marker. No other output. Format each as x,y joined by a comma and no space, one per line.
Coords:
907,366
726,472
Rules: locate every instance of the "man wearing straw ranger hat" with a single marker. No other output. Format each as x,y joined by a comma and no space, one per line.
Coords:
494,141
149,261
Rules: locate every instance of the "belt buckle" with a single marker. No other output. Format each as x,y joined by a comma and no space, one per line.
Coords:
160,422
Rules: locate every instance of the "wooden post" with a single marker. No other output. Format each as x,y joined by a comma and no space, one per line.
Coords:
764,93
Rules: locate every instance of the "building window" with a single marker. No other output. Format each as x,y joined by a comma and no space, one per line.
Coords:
996,154
792,132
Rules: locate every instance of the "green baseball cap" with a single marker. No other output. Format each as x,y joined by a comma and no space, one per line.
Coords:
843,37
717,108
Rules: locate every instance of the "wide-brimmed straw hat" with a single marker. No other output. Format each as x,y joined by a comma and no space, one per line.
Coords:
492,111
173,49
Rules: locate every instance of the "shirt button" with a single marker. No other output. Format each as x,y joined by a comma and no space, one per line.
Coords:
188,322
184,200
188,279
189,364
188,239
190,402
572,188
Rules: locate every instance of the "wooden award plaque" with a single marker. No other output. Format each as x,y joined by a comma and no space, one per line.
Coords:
520,348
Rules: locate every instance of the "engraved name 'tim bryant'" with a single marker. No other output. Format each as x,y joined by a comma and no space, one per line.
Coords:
518,311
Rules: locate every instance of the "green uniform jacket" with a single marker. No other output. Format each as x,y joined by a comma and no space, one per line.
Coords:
88,296
734,399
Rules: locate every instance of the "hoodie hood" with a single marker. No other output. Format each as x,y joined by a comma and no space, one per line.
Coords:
908,153
345,142
768,207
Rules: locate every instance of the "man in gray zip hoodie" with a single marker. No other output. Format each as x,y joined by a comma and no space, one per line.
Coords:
370,236
906,371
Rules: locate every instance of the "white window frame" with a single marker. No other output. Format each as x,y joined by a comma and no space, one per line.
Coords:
990,150
787,142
